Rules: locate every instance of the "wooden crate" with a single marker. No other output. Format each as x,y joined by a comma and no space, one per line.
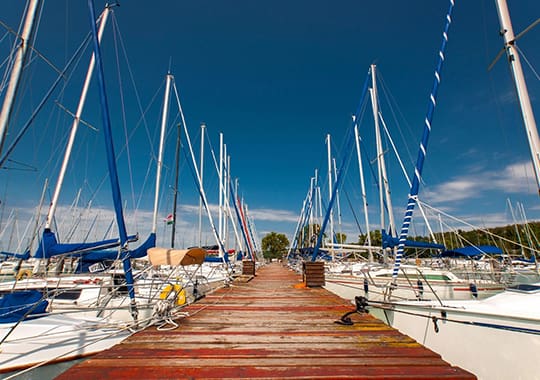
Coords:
314,274
248,268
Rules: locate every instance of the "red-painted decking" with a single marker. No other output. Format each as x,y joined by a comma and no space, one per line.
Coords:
269,328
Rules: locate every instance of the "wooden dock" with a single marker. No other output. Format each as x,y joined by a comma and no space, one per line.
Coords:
269,327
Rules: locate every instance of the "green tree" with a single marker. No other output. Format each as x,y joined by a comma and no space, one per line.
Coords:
274,245
375,236
341,237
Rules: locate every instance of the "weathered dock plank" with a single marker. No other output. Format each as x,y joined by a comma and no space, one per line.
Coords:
269,328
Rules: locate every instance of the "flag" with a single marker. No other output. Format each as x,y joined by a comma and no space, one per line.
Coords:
169,219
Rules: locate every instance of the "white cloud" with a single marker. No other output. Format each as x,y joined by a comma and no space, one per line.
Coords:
516,178
97,223
455,190
194,209
273,215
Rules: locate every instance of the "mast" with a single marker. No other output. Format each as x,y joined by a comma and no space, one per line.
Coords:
226,199
75,126
415,185
346,159
201,165
514,61
239,243
337,201
318,205
406,176
177,169
330,180
107,131
251,231
160,152
113,172
198,177
363,187
299,232
224,231
220,207
37,109
245,227
20,60
311,212
381,163
234,191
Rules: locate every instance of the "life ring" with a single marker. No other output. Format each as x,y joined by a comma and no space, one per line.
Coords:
23,273
176,291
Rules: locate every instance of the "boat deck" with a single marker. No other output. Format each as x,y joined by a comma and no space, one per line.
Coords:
270,327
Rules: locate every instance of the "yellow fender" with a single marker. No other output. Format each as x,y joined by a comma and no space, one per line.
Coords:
23,273
176,291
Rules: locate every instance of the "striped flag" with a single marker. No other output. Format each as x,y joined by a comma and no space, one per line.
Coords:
169,219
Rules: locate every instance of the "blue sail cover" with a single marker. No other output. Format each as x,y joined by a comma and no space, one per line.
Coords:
141,250
214,259
473,251
49,246
530,260
21,256
308,251
391,242
108,256
22,304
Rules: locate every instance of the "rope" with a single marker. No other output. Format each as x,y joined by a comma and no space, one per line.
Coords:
163,315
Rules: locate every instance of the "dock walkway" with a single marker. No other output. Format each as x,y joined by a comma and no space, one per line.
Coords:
269,327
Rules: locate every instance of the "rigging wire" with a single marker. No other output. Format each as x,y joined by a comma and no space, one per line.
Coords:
522,55
502,238
352,210
393,105
123,112
32,48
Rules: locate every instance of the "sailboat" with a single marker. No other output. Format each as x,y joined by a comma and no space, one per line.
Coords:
49,247
494,337
208,272
414,281
53,338
32,336
346,276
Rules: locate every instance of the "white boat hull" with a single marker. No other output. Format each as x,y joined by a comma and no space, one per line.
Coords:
349,286
495,338
55,338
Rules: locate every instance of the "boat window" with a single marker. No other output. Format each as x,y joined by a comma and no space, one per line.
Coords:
525,288
442,277
415,276
67,294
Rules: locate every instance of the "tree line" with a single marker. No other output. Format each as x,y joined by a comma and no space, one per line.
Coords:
510,239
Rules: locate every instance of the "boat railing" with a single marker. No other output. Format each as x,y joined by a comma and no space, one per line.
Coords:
421,274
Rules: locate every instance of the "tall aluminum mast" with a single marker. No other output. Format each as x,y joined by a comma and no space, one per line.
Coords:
507,33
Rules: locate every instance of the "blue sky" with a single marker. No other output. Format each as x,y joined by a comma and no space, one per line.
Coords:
275,78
